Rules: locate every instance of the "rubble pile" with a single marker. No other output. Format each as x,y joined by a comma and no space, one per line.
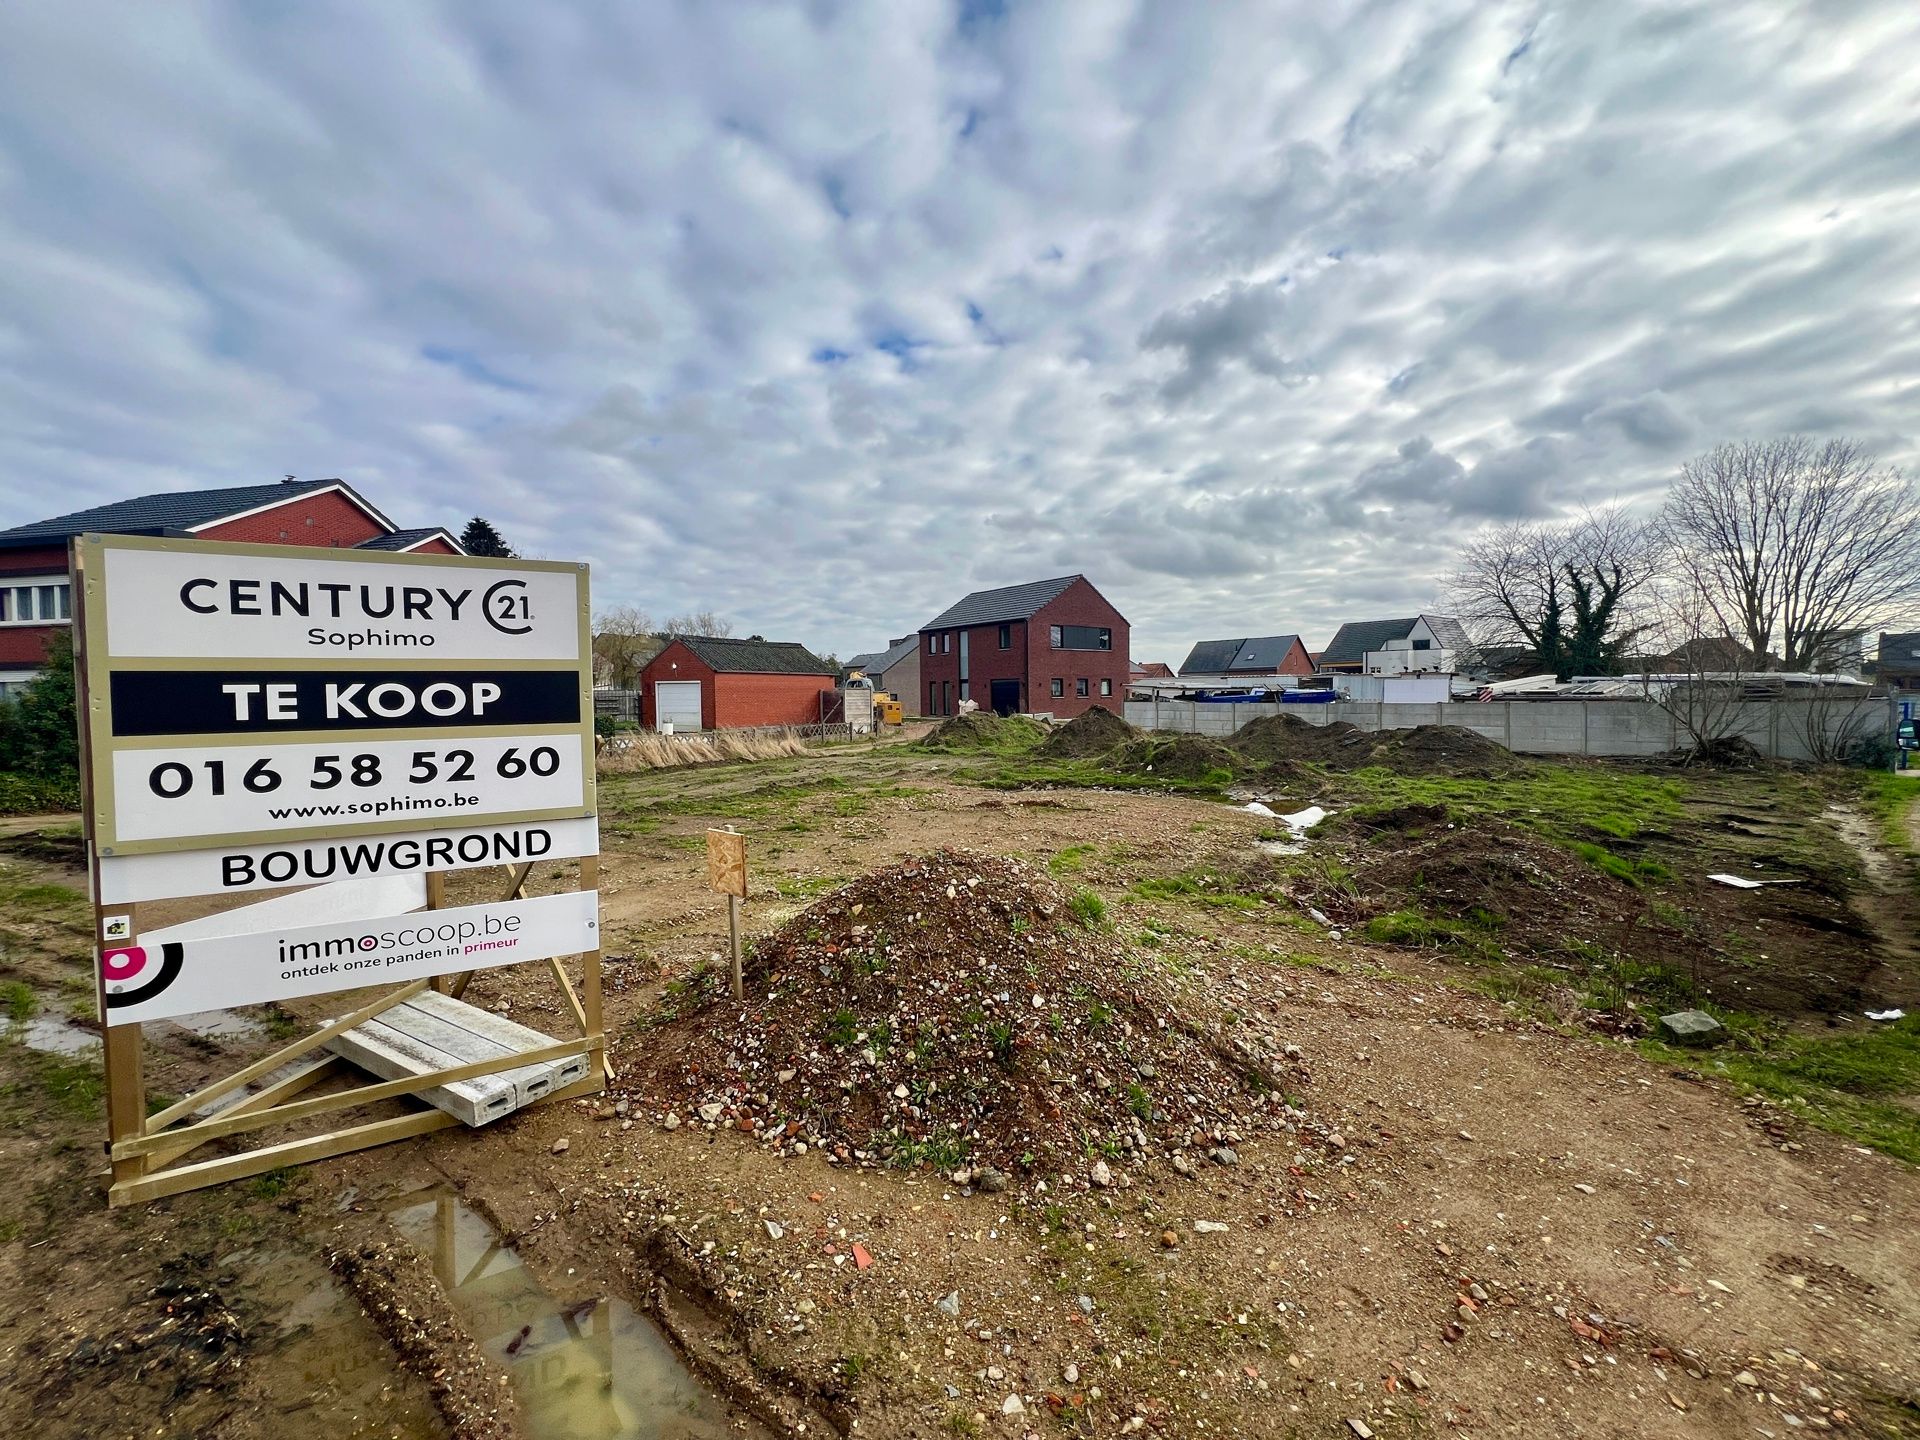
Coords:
960,1011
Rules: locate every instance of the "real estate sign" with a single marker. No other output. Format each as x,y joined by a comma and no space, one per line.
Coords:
250,696
157,978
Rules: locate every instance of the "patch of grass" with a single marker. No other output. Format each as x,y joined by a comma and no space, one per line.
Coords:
19,1001
1069,860
272,1184
960,1423
1197,887
1088,909
1889,799
1634,872
1139,1101
1562,802
1860,1086
1413,930
75,1087
943,1150
841,1028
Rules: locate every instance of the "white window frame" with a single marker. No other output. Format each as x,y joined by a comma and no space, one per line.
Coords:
12,585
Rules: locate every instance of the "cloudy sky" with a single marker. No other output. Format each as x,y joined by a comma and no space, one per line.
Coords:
819,315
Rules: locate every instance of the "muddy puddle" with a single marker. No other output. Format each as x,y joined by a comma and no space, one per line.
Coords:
585,1367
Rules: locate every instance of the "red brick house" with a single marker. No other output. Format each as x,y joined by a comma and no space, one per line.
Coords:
1049,645
700,682
36,595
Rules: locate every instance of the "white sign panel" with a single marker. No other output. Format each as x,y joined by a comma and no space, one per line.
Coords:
177,603
201,790
157,979
127,879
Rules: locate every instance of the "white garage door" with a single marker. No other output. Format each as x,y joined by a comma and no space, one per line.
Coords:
676,703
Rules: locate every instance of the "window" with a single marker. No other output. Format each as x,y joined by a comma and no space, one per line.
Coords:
963,689
946,697
1423,644
1080,637
946,644
38,602
1006,637
933,644
1080,687
933,696
1106,687
1057,688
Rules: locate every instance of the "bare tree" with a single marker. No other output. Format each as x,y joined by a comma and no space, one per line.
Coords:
700,622
1796,543
1701,683
624,639
1571,592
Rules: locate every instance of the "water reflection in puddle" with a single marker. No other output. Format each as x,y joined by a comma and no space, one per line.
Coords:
589,1370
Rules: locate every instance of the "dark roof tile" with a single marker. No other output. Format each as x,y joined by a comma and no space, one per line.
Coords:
755,657
169,513
991,607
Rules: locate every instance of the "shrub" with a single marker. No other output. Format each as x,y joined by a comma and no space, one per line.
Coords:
39,732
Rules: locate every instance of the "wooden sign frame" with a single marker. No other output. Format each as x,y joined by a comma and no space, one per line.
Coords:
149,1153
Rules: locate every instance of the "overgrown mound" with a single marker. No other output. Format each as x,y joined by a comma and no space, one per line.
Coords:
1092,733
955,1009
1728,752
1442,750
1189,759
1274,738
1413,875
984,730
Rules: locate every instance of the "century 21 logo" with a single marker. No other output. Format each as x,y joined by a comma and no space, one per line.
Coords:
502,606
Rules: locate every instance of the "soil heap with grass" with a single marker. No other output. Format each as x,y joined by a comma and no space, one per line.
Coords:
984,730
960,1010
1188,759
1093,733
1423,750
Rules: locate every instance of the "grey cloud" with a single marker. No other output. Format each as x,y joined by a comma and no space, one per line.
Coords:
232,242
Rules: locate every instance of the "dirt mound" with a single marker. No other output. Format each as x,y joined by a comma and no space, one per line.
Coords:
1273,738
1442,749
1187,758
1479,888
984,730
956,1009
1384,819
1087,735
1424,750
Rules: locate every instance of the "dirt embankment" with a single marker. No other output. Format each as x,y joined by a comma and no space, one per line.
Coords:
1425,749
1095,732
958,1009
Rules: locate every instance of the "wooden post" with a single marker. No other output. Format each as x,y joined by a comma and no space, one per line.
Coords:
733,943
590,977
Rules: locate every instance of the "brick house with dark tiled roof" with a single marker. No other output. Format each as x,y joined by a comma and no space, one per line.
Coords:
36,599
1054,646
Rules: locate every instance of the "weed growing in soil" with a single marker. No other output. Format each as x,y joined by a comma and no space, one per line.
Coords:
1634,872
1088,908
19,1001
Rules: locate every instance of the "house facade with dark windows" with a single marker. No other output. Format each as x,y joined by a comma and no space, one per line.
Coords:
1054,646
36,599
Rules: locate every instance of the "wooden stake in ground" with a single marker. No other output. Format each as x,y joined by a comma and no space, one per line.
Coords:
727,874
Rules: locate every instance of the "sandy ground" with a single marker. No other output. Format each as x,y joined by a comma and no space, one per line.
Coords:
1520,1231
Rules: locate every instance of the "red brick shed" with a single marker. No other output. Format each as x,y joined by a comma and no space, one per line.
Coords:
705,683
1047,646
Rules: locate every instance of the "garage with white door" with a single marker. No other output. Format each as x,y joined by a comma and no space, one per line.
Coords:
676,705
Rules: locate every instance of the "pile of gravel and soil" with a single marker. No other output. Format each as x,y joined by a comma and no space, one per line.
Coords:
961,1011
